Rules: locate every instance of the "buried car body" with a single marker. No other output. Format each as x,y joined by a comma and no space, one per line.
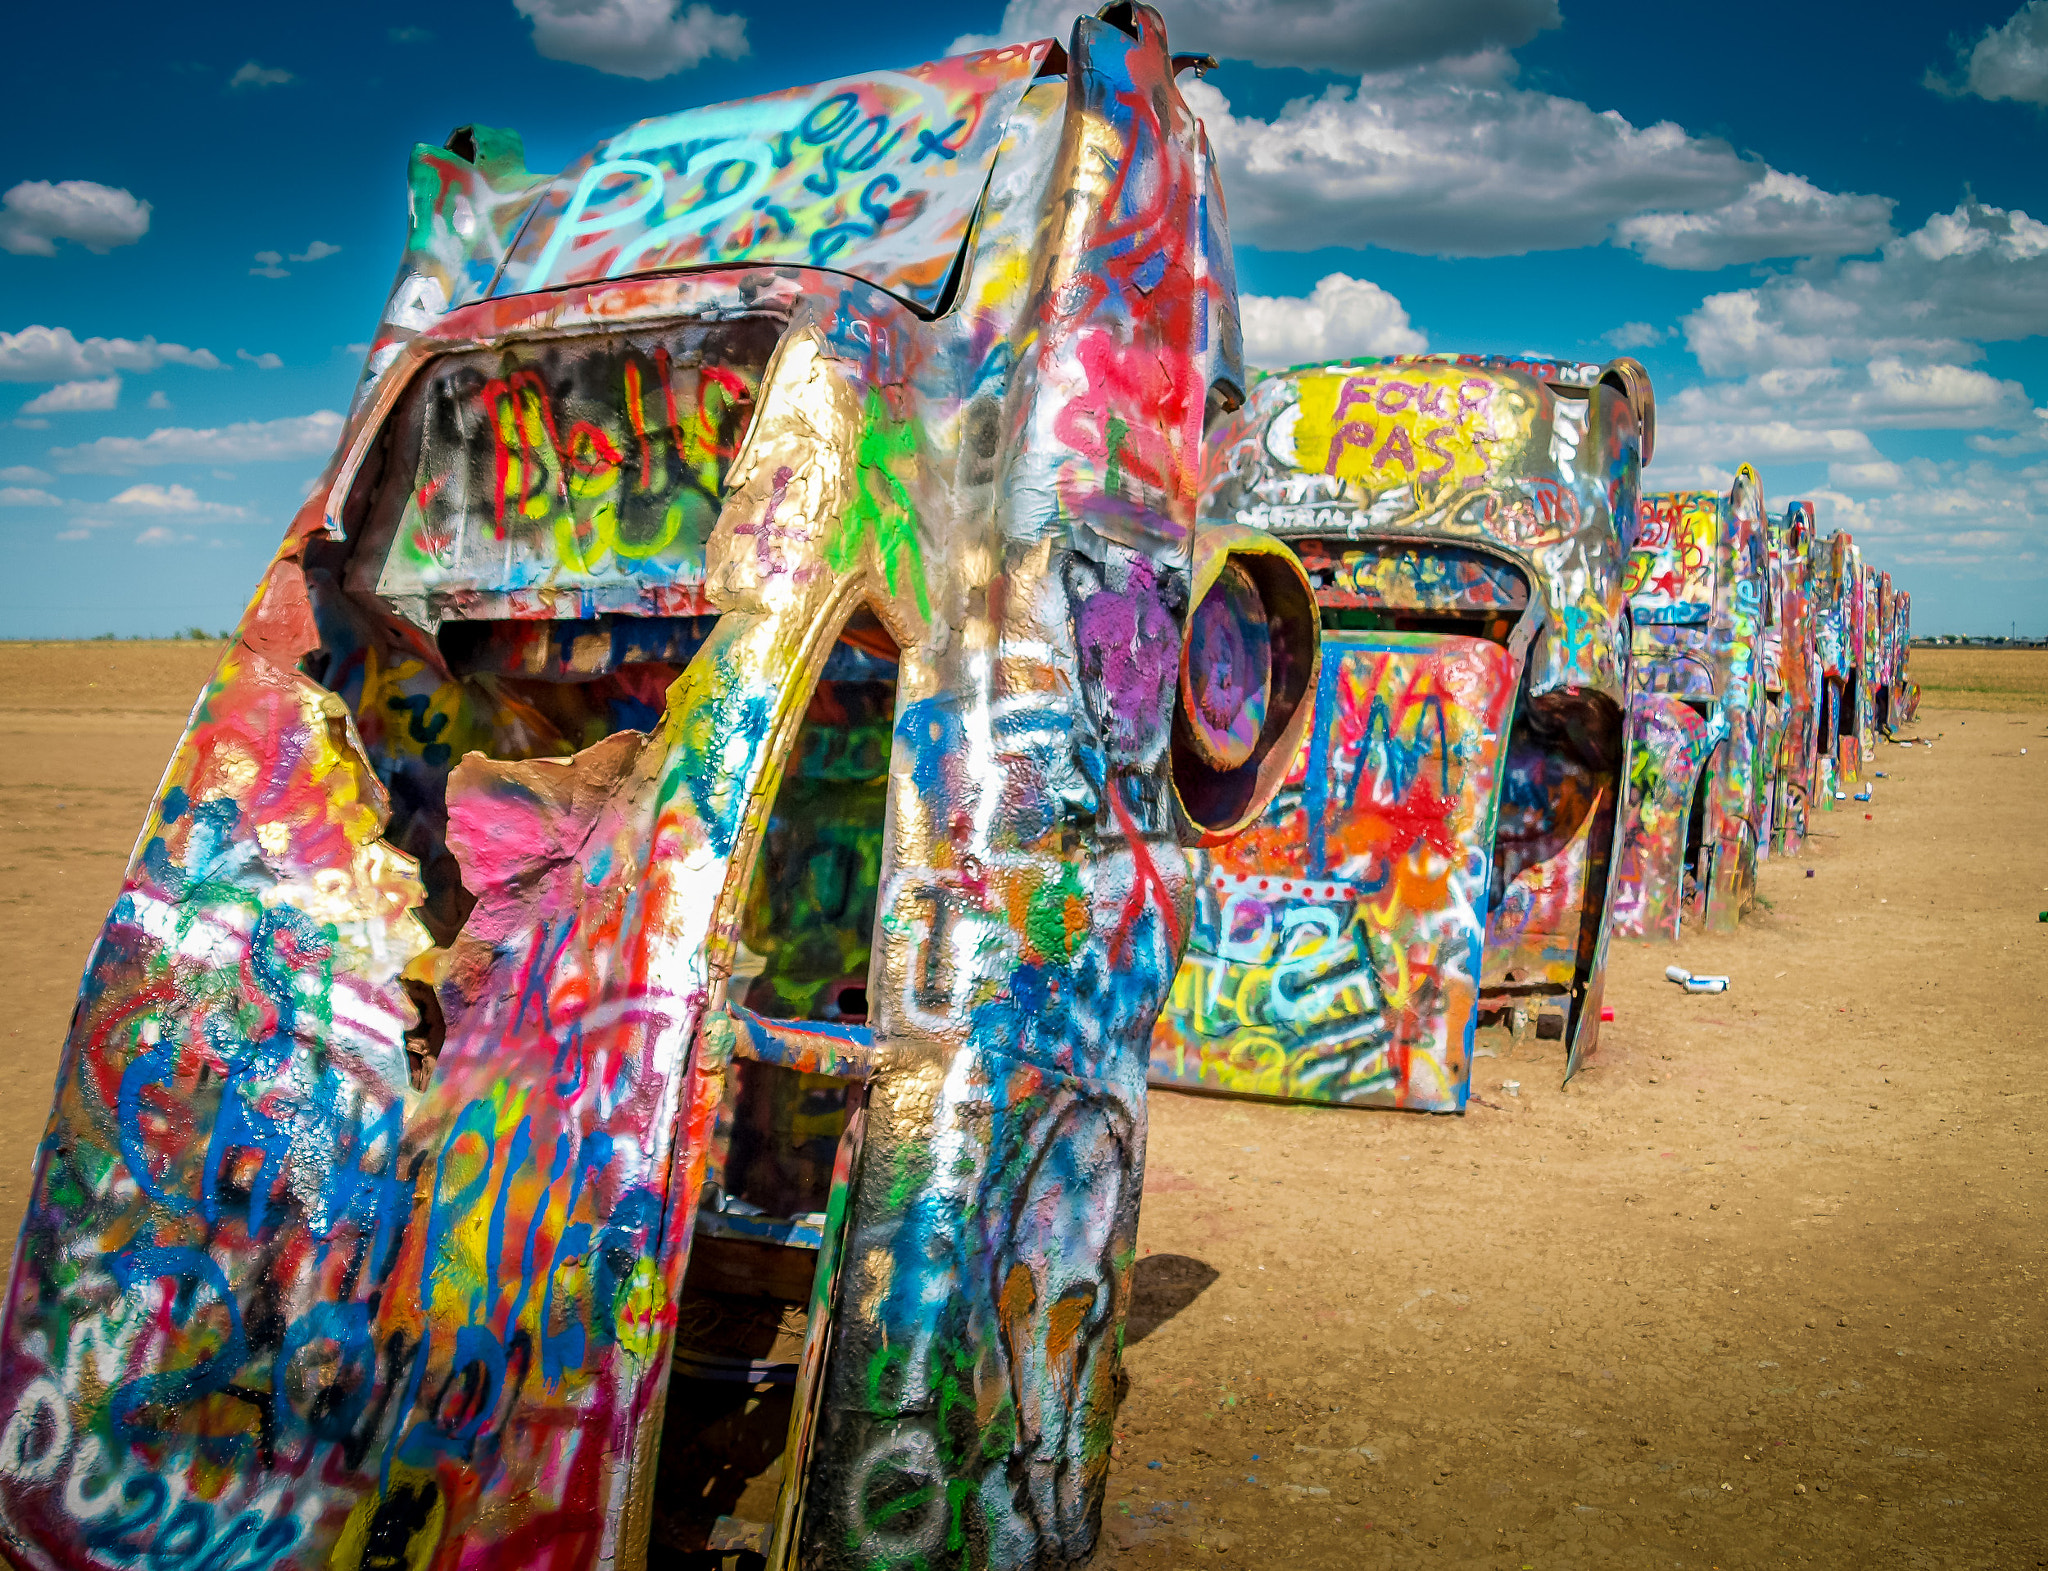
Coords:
624,1035
1699,592
1444,839
1838,754
1791,667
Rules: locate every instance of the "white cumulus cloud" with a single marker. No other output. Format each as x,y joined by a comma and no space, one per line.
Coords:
1637,335
266,361
252,74
1876,474
27,496
250,441
51,354
1818,364
318,251
1965,277
2028,439
1319,35
23,474
1953,515
172,499
1455,159
1779,215
2007,61
1705,430
1340,316
36,214
71,398
1796,413
643,39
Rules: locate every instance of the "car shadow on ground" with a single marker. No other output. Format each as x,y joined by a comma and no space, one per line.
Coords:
1161,1287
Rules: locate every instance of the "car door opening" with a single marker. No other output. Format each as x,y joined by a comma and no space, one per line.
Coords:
753,1320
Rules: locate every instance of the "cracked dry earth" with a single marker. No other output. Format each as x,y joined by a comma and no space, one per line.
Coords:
1761,1288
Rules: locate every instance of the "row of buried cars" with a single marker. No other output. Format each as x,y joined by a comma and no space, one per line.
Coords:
813,674
1550,711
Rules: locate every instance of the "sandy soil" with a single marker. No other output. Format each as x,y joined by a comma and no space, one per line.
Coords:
1761,1287
86,731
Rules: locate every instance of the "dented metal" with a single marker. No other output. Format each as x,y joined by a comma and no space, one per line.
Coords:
1444,840
696,813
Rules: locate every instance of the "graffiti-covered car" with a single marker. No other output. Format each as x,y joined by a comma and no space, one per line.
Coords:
1870,641
1443,841
1698,594
1885,683
1905,691
624,1035
1837,571
1791,675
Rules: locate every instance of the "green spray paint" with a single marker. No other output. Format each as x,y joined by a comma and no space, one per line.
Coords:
892,519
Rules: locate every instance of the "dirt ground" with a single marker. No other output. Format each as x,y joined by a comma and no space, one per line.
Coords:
2006,679
1762,1287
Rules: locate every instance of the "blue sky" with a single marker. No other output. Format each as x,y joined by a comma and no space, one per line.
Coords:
1824,228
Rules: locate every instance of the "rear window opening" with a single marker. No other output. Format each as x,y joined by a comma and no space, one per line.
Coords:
585,467
1348,619
1387,587
806,937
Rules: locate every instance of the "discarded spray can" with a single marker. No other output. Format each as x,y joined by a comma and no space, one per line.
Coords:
1695,984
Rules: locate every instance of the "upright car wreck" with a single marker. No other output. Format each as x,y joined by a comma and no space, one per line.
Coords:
1791,675
624,1036
1905,692
1698,592
1838,645
1444,839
